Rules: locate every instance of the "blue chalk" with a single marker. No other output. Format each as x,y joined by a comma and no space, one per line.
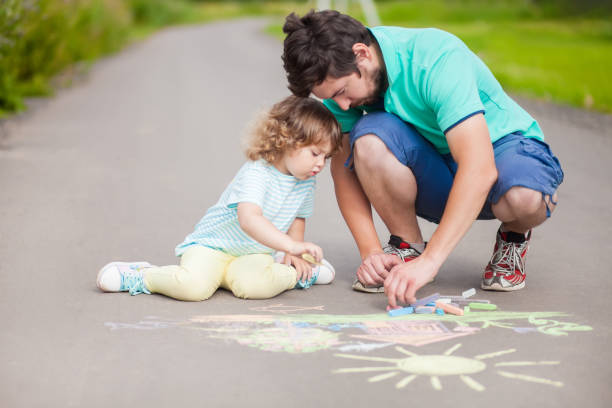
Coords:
431,304
402,311
424,309
439,311
426,300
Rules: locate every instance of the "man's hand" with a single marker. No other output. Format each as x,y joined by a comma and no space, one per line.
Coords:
406,278
375,268
303,268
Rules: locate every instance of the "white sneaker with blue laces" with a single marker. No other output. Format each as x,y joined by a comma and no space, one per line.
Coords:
322,274
123,277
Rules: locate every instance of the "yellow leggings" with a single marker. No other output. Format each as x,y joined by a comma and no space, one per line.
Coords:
202,270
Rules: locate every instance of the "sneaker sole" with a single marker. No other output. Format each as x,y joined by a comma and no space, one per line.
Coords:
359,287
498,288
100,272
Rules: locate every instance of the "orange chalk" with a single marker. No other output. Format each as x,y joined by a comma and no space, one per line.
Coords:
449,308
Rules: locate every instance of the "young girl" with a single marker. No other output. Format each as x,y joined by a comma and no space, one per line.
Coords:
252,241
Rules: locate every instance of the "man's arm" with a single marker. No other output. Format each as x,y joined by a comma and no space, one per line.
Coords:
471,148
353,203
357,212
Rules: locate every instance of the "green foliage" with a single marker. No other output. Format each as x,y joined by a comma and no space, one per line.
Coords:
41,38
498,10
557,50
9,31
553,50
158,13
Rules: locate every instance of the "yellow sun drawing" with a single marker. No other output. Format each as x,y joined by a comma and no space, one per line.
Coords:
445,364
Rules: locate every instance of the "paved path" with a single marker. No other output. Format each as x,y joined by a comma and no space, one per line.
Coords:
122,165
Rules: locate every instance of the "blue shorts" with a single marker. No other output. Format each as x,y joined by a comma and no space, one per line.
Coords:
520,161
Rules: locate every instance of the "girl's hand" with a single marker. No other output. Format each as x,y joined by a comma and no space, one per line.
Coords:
303,268
298,248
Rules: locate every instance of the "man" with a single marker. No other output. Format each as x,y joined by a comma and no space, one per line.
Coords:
431,133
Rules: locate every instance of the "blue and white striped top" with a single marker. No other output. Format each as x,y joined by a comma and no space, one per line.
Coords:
282,198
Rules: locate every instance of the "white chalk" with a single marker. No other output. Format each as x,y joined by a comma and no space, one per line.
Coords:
469,293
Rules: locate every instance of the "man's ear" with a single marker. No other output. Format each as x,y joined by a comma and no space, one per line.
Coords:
361,52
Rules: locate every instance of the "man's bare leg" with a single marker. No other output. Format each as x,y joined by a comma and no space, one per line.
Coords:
521,209
389,185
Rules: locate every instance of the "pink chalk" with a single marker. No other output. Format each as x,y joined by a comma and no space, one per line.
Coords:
449,308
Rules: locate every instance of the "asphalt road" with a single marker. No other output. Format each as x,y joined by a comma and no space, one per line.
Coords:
124,163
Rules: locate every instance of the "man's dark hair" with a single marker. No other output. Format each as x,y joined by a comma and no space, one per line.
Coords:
320,44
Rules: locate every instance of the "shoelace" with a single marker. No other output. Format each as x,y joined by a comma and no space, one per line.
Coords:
133,282
508,256
401,252
309,282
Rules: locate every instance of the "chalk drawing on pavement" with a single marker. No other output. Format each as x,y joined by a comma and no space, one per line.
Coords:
280,308
307,333
410,366
363,335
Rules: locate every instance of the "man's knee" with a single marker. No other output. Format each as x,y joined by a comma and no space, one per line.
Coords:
524,201
368,150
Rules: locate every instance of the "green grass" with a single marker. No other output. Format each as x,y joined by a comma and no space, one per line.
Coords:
535,49
39,39
43,42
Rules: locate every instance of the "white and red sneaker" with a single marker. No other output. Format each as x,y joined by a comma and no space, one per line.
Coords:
396,246
506,269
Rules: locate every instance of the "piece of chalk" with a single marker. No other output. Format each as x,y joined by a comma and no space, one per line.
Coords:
482,306
439,311
426,300
466,302
433,304
310,259
469,293
466,309
450,308
424,309
401,311
462,299
444,300
451,297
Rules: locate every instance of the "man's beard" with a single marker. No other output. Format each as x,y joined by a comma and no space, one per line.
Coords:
379,78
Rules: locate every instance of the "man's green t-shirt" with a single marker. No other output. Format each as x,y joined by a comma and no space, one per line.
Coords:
436,82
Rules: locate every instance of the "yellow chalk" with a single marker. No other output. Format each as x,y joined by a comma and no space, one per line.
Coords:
310,259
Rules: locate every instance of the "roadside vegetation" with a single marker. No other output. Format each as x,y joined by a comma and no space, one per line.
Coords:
557,50
44,43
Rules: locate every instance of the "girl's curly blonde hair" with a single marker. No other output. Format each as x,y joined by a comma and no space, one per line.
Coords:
292,123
